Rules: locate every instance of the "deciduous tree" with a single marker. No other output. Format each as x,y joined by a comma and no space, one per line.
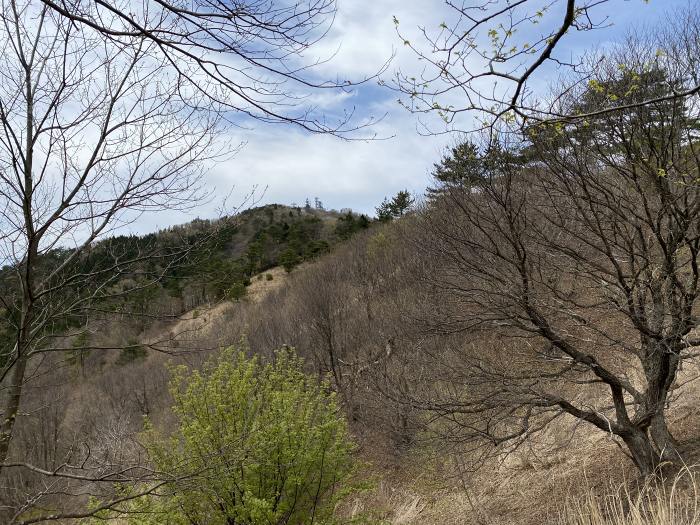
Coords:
109,110
583,263
483,60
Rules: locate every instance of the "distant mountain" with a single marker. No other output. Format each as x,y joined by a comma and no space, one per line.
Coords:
177,269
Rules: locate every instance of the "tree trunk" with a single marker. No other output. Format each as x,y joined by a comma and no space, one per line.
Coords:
643,454
665,444
11,406
660,368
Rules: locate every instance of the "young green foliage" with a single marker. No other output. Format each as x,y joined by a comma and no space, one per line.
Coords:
257,443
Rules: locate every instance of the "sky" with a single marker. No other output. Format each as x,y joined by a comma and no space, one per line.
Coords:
284,164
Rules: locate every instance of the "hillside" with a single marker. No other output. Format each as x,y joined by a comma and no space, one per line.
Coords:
221,256
359,312
359,306
524,338
518,343
184,267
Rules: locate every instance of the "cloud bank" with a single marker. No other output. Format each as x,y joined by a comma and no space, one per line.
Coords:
291,165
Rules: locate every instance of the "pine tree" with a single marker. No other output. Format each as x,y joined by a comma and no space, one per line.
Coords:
401,203
397,207
461,167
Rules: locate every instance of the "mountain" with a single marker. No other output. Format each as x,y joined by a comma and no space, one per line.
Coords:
355,303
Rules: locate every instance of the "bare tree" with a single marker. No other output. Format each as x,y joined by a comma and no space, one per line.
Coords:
483,61
250,56
108,111
579,253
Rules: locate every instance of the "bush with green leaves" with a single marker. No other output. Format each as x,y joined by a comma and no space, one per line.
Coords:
257,443
236,291
289,259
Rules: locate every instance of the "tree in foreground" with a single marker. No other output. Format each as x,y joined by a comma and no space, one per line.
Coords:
251,57
485,58
109,110
256,443
583,263
91,136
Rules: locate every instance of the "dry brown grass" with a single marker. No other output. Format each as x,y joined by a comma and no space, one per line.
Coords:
202,325
654,503
260,287
416,487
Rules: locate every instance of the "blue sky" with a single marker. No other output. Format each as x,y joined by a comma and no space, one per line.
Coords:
291,165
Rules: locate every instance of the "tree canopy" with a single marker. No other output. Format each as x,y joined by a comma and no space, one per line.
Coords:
397,207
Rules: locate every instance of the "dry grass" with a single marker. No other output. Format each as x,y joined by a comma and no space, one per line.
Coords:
202,325
655,503
260,287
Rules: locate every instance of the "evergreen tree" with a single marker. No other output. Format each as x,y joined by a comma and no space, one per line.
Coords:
401,203
384,211
461,167
660,123
397,207
349,223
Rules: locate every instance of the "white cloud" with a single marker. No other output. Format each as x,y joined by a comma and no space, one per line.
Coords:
294,165
364,34
356,174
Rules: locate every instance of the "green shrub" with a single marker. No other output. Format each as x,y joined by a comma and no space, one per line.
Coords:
289,259
268,277
256,444
236,291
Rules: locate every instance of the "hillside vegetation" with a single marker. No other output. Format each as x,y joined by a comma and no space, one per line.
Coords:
360,317
199,263
520,346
